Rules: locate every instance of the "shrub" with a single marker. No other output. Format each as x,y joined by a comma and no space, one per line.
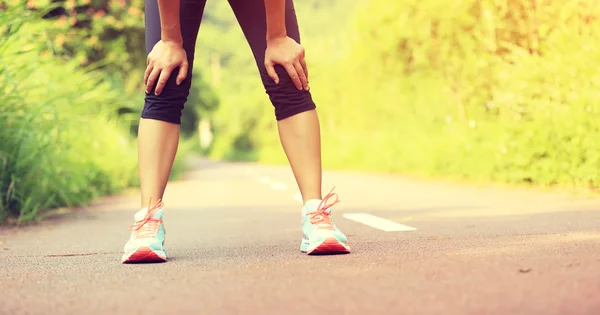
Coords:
492,90
61,143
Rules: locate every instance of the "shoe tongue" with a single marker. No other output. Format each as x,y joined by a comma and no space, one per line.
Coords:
312,206
142,213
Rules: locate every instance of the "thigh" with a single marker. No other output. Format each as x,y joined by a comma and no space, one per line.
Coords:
169,104
252,18
191,12
285,97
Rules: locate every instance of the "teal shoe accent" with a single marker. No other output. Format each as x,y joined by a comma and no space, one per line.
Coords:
319,231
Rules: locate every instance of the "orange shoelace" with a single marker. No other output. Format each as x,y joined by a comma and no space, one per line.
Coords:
147,227
321,217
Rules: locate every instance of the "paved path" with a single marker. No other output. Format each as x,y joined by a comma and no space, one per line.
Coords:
233,239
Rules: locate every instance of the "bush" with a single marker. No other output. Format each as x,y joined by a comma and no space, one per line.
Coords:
487,90
61,142
104,34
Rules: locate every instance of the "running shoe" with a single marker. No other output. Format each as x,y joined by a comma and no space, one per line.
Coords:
147,236
320,235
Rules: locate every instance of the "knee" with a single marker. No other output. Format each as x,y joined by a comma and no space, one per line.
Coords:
285,97
169,104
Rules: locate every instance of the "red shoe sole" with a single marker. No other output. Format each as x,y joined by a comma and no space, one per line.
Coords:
330,246
144,255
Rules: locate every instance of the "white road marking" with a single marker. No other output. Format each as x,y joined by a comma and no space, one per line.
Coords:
278,186
377,222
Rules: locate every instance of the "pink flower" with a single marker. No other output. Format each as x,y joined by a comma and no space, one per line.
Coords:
99,13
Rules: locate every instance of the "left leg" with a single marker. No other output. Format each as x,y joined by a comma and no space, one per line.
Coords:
295,111
298,126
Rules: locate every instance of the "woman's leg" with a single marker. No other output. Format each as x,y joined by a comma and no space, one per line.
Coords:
295,111
158,137
301,140
298,126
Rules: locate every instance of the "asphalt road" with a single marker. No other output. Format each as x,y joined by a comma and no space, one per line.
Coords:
233,242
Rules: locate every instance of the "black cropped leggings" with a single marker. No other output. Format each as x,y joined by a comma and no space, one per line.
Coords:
250,14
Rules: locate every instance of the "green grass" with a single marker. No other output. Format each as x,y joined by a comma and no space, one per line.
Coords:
61,141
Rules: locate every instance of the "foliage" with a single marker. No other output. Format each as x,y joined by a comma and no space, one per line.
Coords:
482,90
109,35
202,102
60,142
104,34
485,90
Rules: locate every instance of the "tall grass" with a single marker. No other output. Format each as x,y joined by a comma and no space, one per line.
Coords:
490,90
61,142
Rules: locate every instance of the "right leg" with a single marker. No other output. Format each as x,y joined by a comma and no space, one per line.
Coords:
299,129
158,136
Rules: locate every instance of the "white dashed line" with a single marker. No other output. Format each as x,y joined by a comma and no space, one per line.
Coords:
276,185
377,222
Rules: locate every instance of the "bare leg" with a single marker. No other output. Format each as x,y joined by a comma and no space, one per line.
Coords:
301,140
299,130
157,146
297,121
158,136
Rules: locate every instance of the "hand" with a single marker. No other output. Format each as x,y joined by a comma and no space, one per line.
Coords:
162,60
288,53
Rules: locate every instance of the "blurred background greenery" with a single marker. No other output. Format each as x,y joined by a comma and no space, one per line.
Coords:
504,91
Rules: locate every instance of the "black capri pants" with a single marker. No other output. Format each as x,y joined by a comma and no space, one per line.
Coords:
286,99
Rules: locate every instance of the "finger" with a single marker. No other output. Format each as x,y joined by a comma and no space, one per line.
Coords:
152,79
183,70
301,75
304,67
294,75
272,73
162,80
147,73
